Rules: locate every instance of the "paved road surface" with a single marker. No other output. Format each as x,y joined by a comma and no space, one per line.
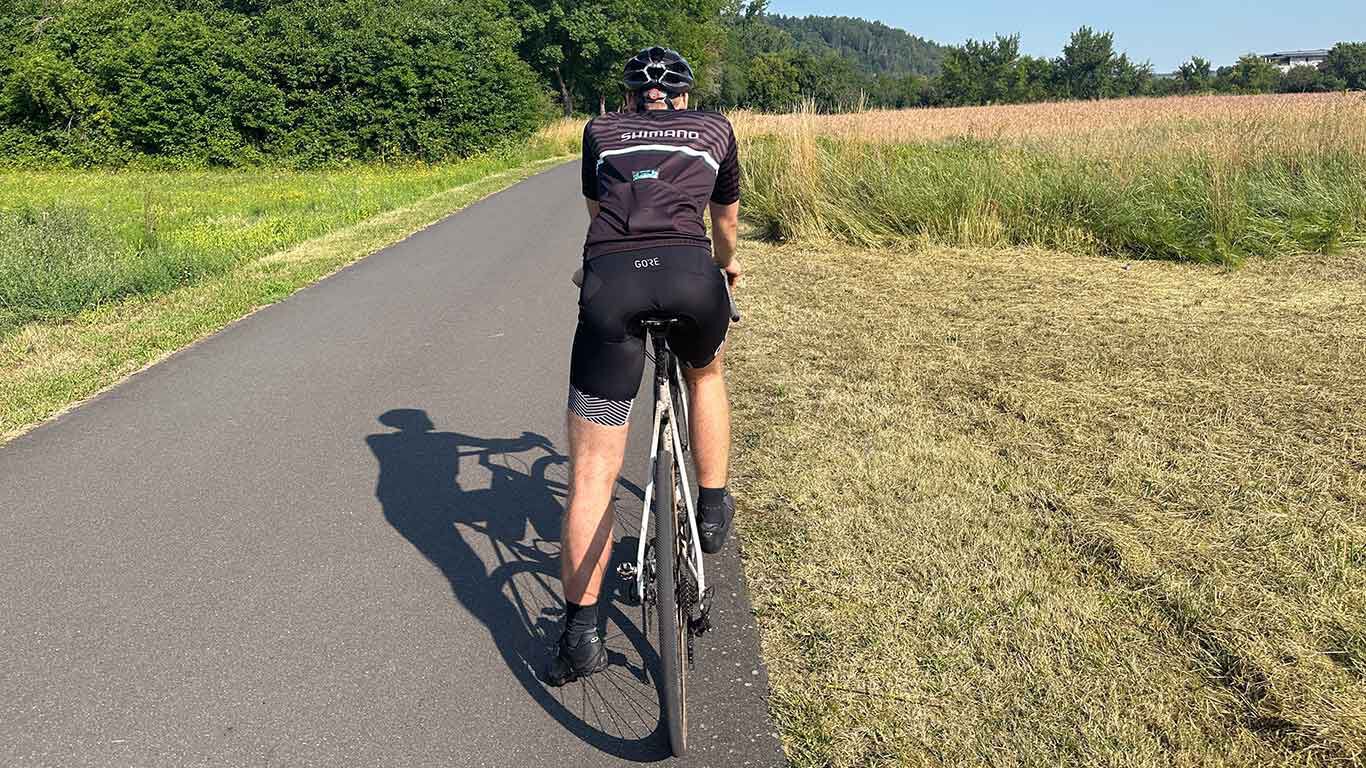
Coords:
327,536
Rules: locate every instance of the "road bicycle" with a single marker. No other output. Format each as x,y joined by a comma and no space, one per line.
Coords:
668,574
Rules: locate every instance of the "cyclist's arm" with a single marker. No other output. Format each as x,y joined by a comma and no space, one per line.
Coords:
589,172
725,228
725,211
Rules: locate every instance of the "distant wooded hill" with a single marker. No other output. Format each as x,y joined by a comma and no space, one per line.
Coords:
873,46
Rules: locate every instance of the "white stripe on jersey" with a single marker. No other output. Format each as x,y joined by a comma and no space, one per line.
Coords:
706,156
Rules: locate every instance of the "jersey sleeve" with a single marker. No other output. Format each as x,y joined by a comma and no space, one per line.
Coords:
590,163
727,188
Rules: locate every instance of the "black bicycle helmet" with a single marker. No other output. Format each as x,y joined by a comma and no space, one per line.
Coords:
662,68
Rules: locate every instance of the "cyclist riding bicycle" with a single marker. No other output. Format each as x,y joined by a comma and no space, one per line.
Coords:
648,174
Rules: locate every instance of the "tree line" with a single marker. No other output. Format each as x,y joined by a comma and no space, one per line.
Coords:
304,82
753,59
744,56
992,72
771,71
227,82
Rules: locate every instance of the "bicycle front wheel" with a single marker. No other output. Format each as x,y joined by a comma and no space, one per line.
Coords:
673,625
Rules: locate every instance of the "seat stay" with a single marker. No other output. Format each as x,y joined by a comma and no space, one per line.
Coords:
641,574
666,423
694,563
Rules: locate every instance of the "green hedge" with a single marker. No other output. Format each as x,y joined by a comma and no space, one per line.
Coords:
231,82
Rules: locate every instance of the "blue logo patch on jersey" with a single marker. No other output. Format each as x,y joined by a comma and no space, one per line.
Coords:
638,175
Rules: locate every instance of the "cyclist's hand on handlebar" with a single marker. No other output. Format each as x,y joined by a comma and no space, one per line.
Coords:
733,271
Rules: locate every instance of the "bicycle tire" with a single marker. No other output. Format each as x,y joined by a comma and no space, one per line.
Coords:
672,627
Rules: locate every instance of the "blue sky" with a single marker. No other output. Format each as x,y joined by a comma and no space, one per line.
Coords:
1166,32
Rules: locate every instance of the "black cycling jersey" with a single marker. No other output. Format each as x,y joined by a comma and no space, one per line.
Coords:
653,173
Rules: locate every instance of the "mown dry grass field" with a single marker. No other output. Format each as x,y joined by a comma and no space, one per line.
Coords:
1022,507
1020,483
1012,495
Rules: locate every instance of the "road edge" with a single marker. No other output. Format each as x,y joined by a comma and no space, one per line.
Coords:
126,338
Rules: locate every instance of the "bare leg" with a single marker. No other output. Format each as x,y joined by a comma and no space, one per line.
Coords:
595,456
710,422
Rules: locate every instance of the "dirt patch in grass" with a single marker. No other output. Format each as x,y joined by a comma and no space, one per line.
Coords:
1024,508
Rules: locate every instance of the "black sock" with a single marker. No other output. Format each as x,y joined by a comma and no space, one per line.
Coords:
710,497
580,618
711,504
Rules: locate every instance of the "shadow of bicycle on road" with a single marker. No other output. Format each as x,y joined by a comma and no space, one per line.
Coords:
498,546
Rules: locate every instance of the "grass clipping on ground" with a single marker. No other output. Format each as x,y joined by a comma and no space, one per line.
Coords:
1024,508
47,366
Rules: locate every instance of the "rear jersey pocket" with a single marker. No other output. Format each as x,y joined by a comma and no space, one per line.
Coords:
658,207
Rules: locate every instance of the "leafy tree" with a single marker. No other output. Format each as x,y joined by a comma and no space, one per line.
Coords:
1195,75
828,79
891,91
1086,69
1347,63
1034,80
45,91
1252,74
231,81
1129,79
773,84
695,28
981,72
1307,79
572,41
580,45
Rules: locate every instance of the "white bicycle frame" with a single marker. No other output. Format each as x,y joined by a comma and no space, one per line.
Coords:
665,421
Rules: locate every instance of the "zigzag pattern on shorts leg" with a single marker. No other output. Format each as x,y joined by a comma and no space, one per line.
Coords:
608,413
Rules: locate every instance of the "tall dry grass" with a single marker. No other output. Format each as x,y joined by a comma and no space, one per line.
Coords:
1115,119
1209,179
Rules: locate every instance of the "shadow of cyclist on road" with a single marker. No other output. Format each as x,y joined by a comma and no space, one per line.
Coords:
498,546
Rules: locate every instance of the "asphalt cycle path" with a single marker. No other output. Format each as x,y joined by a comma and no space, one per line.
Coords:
328,536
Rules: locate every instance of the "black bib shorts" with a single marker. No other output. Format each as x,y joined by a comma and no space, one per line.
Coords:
619,289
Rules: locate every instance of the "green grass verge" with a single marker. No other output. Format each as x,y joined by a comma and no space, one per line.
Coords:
47,365
72,240
1026,508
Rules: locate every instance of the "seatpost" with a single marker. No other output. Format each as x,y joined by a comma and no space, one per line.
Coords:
658,340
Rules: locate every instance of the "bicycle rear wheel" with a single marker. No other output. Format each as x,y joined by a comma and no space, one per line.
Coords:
673,625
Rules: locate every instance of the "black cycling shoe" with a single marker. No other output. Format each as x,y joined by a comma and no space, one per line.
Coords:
713,524
579,657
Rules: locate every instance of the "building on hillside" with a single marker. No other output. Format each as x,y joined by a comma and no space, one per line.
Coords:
1285,60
